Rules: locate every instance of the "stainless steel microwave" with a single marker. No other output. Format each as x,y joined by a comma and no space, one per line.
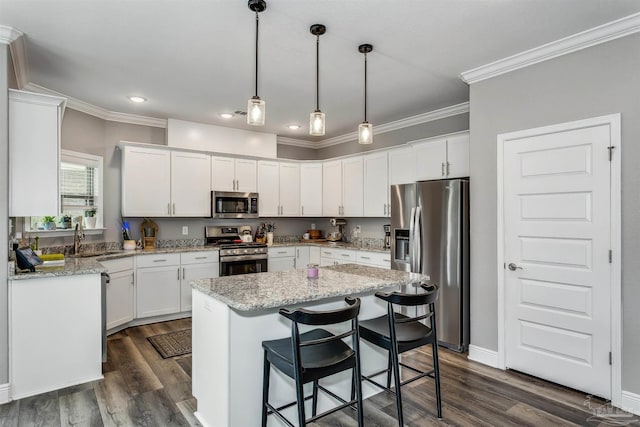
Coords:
231,204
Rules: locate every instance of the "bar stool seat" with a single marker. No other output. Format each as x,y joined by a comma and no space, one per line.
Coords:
310,356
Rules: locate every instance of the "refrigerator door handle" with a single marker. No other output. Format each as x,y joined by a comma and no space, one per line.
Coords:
412,240
418,240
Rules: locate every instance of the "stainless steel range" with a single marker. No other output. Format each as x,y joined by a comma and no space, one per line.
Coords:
236,256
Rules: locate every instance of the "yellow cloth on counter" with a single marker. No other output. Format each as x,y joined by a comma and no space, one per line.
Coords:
51,257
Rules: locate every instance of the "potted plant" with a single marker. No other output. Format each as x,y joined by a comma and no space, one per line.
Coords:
90,218
49,222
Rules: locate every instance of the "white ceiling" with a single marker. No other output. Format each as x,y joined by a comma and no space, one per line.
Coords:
193,59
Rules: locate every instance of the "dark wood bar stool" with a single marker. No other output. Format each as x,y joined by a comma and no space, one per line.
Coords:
398,333
313,355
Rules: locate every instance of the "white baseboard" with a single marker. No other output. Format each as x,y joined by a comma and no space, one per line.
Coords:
630,402
483,355
5,395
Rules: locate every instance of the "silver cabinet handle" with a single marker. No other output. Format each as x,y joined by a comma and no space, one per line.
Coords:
365,257
302,210
178,273
159,260
183,275
448,172
282,252
201,257
345,255
237,184
442,168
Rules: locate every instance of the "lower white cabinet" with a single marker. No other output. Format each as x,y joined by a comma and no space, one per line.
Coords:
282,259
158,288
55,328
194,266
314,255
302,256
330,256
374,259
120,291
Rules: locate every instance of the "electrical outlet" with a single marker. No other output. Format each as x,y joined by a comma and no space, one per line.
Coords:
185,230
358,229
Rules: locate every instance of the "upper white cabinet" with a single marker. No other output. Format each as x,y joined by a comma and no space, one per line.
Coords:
146,182
402,165
376,185
442,157
311,189
229,174
342,184
279,188
190,190
161,183
34,153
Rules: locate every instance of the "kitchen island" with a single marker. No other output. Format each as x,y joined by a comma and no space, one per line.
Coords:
232,315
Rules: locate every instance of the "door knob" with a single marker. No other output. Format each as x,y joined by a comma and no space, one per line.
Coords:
513,267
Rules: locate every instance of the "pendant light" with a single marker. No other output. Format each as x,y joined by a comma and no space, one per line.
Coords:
317,118
255,105
365,129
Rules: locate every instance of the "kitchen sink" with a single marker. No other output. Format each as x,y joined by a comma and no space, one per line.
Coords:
92,254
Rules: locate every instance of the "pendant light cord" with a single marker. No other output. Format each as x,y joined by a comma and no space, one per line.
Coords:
257,28
365,87
318,73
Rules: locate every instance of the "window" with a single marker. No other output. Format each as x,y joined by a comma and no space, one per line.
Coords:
80,193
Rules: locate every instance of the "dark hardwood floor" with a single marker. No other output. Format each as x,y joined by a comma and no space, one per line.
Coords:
142,389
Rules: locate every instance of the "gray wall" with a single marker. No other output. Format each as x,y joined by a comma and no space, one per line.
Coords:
5,70
296,153
601,80
451,124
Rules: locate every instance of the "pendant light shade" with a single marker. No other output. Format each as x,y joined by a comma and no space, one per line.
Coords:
255,106
365,129
317,118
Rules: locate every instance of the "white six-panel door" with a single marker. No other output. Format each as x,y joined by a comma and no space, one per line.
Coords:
557,271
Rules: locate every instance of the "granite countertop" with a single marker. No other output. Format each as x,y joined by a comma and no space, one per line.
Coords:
177,250
339,245
72,267
253,292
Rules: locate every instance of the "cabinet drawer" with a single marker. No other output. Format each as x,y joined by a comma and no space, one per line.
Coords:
199,257
116,265
157,260
379,259
289,251
340,254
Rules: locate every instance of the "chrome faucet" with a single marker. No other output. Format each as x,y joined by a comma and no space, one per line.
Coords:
78,235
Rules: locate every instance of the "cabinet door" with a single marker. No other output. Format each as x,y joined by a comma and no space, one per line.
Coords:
268,184
303,256
157,291
376,185
223,173
190,184
281,264
458,155
332,188
402,166
120,298
194,272
289,189
431,160
314,255
146,182
311,189
246,175
352,186
34,154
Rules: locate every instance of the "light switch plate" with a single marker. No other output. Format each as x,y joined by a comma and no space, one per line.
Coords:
185,230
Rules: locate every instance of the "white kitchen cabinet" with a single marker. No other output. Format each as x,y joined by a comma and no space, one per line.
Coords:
230,174
190,184
282,259
402,165
55,330
120,291
314,255
442,158
34,153
374,259
302,256
376,185
158,289
195,266
352,186
331,256
279,188
332,188
146,182
311,189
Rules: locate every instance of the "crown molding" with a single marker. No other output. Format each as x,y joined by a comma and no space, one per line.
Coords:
296,142
591,37
99,112
15,40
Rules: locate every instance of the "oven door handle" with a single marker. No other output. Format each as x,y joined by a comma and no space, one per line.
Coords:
233,258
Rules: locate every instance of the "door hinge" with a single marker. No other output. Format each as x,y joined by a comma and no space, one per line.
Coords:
610,256
610,359
611,148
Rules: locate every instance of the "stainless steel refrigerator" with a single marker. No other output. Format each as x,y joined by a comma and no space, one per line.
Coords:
430,235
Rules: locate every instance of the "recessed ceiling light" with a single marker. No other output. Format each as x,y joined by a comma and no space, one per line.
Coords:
137,99
294,127
226,115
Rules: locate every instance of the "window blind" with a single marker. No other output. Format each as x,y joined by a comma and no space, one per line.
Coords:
78,188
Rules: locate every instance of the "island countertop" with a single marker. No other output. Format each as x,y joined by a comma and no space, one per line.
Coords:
253,292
